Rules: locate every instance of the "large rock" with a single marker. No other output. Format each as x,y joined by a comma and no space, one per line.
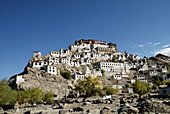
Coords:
155,107
39,78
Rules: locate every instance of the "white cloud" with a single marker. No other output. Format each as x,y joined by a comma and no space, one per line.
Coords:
165,51
156,43
149,43
140,45
166,46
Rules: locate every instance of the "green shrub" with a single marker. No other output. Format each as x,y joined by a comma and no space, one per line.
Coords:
66,75
155,87
114,59
141,87
23,96
126,85
36,95
49,97
89,87
110,90
7,95
156,80
102,71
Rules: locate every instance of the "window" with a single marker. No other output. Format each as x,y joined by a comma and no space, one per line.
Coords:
164,91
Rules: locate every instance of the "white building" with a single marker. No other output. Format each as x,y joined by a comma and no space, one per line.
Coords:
86,73
153,72
164,70
79,76
153,64
54,60
120,68
117,76
64,53
19,79
132,81
38,64
37,54
144,67
146,81
52,70
65,60
77,56
95,55
76,63
55,53
140,77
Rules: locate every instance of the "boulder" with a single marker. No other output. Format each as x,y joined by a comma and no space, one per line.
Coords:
78,109
63,112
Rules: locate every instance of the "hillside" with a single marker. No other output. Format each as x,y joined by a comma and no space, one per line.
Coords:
161,59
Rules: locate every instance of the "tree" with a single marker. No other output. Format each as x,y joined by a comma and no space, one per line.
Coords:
23,96
141,87
102,71
36,95
125,53
89,87
110,90
7,95
156,80
95,65
155,87
49,97
66,75
126,85
114,59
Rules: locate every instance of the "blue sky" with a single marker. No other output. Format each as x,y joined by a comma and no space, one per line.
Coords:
140,27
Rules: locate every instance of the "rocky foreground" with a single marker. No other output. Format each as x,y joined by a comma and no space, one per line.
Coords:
96,105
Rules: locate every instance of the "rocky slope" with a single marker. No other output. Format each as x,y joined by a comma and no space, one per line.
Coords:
47,82
161,59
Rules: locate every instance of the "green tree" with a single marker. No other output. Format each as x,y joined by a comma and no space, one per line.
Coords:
141,87
95,65
36,95
49,97
125,53
66,75
114,59
155,87
23,96
7,95
156,80
126,85
110,90
89,87
102,71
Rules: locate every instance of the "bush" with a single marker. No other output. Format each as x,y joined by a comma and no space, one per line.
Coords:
110,90
155,87
23,96
126,85
102,71
66,75
156,80
89,87
114,59
49,97
7,95
36,95
141,87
